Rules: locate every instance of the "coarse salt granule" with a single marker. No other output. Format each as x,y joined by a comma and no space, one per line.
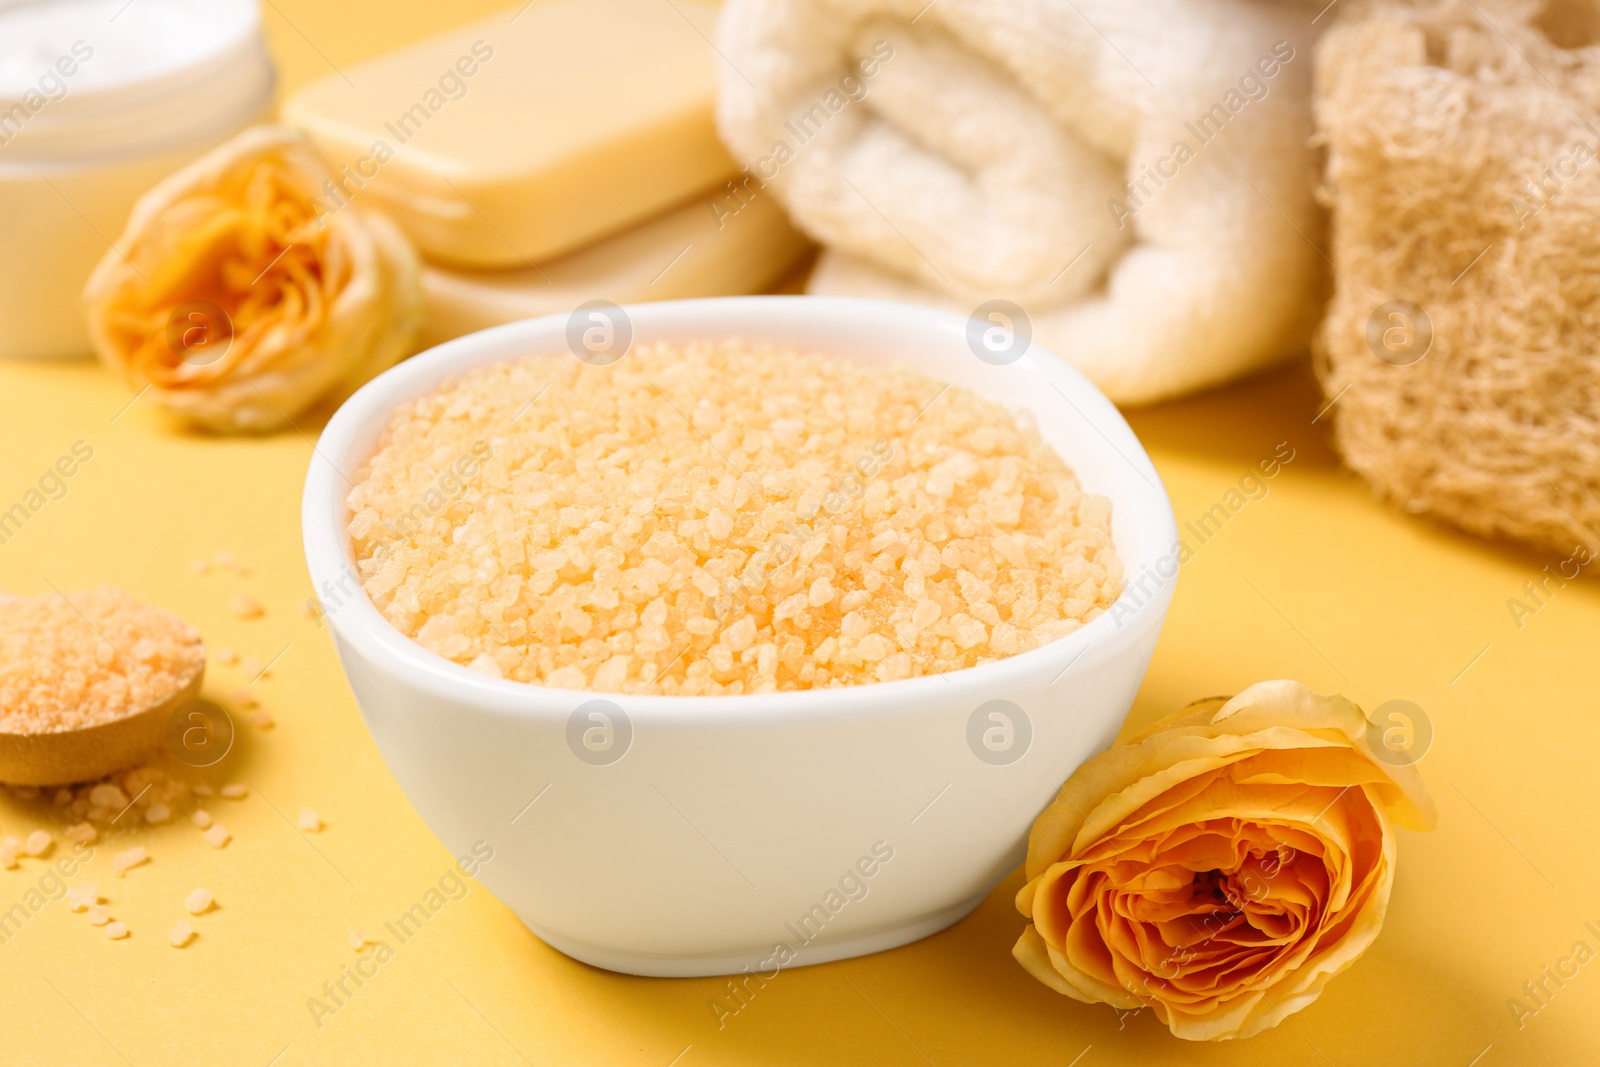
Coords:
83,833
199,901
10,849
149,788
99,915
116,931
139,782
234,791
38,843
309,820
83,896
107,795
200,817
181,933
217,836
85,659
156,814
358,940
126,860
246,606
723,519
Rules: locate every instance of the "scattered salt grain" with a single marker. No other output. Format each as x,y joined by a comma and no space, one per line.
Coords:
200,817
126,860
106,795
99,915
227,656
310,821
246,607
358,940
218,836
117,931
234,791
180,934
200,566
156,814
203,790
252,668
199,901
39,843
245,697
262,720
83,896
10,849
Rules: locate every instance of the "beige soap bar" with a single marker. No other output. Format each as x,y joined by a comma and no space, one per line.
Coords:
720,244
529,134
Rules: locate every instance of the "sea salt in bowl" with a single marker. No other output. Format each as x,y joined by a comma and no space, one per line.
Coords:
674,835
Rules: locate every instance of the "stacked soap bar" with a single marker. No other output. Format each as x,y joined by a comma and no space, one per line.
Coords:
692,251
555,153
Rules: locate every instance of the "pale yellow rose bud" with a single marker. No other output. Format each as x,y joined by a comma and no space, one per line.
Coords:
247,288
1223,866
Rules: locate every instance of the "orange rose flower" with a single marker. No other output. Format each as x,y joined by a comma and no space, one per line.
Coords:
1222,866
240,297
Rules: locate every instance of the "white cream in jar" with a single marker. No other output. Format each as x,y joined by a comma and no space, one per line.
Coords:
99,100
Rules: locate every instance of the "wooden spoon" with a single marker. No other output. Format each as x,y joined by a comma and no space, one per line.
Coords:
61,757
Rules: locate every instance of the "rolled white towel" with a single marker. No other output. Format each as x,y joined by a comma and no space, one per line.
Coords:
1137,177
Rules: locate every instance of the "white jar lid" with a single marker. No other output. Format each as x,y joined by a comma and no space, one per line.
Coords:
94,80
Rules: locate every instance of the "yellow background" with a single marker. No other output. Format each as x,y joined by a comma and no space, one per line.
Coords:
1317,581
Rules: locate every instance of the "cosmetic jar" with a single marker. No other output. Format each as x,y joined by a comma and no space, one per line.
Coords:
99,100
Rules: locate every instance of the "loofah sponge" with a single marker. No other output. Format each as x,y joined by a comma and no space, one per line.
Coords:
1460,354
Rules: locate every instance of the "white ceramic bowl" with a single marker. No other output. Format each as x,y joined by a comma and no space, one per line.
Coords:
752,832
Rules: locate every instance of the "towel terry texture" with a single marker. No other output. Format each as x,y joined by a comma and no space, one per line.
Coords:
1137,177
